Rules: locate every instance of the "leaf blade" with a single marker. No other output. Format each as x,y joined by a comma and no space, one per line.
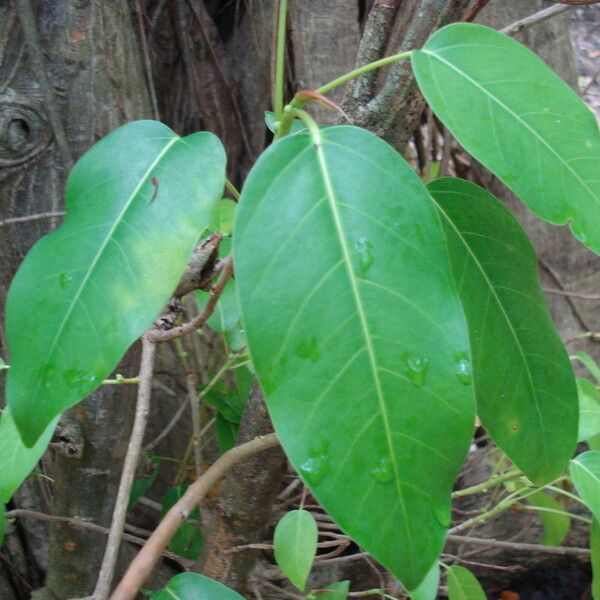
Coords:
524,383
524,123
463,585
191,586
306,292
137,202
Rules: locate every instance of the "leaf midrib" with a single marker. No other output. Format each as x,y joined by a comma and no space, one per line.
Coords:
332,200
517,118
100,251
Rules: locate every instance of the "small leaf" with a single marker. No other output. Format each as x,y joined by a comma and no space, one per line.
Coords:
295,545
427,590
556,526
524,381
228,402
137,203
227,311
226,433
224,216
463,585
297,124
191,586
589,410
590,364
595,558
339,591
16,459
585,474
188,539
523,122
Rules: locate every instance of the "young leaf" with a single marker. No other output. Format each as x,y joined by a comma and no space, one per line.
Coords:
556,526
339,591
142,485
358,337
590,364
137,202
16,460
516,116
595,558
589,410
427,590
191,586
295,545
524,383
463,585
585,474
188,539
227,311
226,433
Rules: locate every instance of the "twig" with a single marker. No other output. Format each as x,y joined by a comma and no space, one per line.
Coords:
147,61
144,562
163,434
38,65
537,17
579,295
36,217
475,10
117,525
156,335
86,525
520,547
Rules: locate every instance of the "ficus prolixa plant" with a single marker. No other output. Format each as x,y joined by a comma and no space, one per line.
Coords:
382,314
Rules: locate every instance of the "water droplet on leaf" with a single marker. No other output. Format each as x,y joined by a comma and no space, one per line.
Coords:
64,280
317,465
463,368
383,471
415,368
365,256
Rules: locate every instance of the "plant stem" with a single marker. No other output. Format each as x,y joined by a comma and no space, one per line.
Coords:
486,485
558,512
280,59
119,381
382,62
232,189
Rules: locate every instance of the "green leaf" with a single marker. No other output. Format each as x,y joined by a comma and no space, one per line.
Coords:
589,410
226,433
428,588
228,402
297,124
595,558
16,459
224,216
339,591
590,364
295,545
227,311
463,585
524,382
141,486
88,290
354,326
556,526
188,539
508,109
191,586
585,474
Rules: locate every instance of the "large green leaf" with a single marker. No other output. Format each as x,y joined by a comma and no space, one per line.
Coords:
585,474
357,337
191,586
16,460
137,202
295,545
428,588
524,383
516,116
463,585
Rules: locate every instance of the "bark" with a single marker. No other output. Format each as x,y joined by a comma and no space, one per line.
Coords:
89,59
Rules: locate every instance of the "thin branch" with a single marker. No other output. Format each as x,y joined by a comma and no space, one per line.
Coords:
535,18
86,525
156,335
117,525
36,217
144,562
520,547
572,294
36,58
475,10
165,432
